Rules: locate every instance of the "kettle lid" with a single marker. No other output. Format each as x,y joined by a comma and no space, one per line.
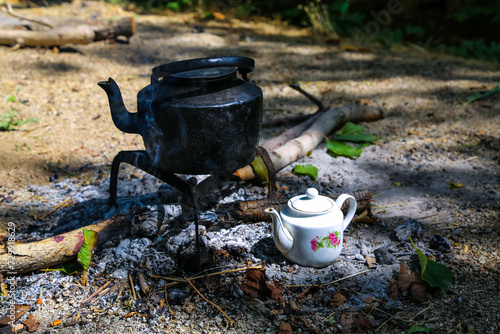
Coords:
311,202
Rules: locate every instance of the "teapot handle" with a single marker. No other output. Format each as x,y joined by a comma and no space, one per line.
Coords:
352,208
244,65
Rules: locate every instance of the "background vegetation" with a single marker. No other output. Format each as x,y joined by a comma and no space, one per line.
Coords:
465,28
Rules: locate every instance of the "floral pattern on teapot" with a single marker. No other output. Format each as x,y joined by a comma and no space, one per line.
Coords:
332,240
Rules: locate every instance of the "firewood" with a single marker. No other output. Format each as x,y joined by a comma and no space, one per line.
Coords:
308,140
24,257
253,211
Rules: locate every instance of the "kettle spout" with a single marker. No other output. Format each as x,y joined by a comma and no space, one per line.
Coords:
282,237
124,120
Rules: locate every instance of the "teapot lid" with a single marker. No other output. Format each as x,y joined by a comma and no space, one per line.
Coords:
311,202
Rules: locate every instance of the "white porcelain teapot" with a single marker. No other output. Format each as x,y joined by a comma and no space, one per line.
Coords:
311,228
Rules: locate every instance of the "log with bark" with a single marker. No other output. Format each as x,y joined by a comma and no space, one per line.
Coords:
70,33
296,148
24,257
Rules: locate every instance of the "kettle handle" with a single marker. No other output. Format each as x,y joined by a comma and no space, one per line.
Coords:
352,208
244,65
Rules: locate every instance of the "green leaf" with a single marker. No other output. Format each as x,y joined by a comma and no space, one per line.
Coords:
435,274
354,133
417,329
11,98
260,169
337,148
351,129
307,170
480,95
85,254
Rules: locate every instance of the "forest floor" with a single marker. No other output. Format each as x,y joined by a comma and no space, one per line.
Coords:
435,167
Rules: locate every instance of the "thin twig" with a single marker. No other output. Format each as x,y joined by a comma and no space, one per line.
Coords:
231,322
132,286
97,292
325,284
10,11
176,280
54,209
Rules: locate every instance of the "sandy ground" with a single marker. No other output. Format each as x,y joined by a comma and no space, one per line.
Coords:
436,162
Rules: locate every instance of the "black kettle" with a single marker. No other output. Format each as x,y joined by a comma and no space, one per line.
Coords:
196,116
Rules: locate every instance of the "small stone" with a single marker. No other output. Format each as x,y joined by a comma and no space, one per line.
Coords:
359,257
383,256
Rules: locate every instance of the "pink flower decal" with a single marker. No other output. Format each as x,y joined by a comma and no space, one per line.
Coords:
332,238
314,244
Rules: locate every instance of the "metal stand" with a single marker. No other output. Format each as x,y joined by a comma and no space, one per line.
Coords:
189,188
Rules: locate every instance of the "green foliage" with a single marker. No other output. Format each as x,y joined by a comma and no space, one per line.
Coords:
418,329
260,169
351,133
306,170
475,49
85,253
435,274
480,95
11,121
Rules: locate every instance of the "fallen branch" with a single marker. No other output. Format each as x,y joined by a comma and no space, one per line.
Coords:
21,258
297,148
253,211
80,33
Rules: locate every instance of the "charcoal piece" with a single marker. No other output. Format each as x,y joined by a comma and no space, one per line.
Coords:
441,244
411,228
383,256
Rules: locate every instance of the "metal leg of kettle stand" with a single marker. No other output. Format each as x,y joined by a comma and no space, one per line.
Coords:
261,152
194,198
141,160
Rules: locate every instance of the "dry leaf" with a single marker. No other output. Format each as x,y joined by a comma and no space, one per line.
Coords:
19,311
275,290
285,328
31,323
363,324
338,299
395,290
346,322
418,292
405,277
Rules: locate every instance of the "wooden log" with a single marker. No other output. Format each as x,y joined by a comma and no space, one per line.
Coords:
78,33
308,140
20,258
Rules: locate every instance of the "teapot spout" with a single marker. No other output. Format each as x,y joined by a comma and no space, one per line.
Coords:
281,236
124,120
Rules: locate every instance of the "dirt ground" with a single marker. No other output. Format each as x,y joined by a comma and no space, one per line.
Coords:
436,162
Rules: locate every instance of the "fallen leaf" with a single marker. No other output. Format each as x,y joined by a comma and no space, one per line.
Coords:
31,323
418,292
363,324
405,277
435,274
285,328
418,329
395,290
275,290
306,170
454,185
130,314
338,299
19,311
346,322
255,285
